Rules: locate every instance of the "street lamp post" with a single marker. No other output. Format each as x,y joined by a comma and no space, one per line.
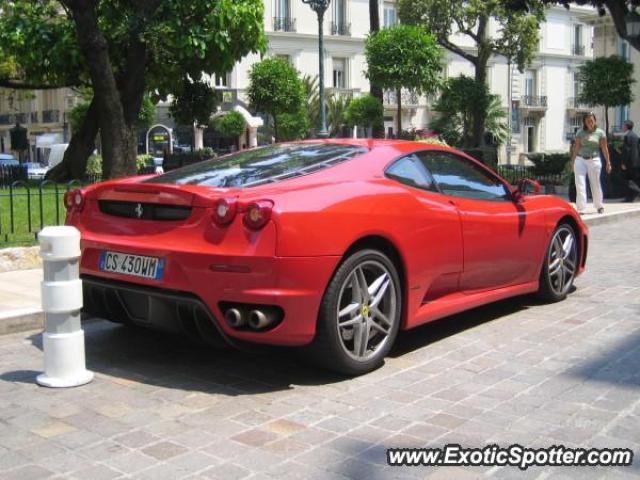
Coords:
320,7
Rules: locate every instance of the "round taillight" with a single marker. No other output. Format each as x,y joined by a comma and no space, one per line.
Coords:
224,211
258,214
74,200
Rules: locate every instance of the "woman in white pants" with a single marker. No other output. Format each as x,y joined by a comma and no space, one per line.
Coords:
586,157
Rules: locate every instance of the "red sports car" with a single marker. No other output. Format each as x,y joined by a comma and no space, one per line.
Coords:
334,244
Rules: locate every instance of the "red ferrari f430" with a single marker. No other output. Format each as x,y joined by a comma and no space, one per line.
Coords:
334,245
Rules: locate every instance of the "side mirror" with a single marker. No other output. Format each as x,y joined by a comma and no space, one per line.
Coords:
526,186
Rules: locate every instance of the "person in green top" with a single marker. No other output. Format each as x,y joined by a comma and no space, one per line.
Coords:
590,141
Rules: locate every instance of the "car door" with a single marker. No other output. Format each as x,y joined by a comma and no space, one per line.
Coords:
434,237
501,237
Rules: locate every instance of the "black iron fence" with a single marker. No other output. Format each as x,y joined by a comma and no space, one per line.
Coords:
513,173
27,207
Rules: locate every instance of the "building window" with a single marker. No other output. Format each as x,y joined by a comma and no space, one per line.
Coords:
530,83
578,45
515,116
222,81
282,21
390,15
339,25
339,73
624,50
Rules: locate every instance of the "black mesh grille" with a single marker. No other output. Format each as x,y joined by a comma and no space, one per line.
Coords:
144,211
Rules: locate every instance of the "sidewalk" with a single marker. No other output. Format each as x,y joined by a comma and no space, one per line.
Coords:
20,290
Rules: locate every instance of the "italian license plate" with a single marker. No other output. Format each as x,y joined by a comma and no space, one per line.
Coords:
135,265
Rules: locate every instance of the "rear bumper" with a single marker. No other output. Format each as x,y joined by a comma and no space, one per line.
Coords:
188,299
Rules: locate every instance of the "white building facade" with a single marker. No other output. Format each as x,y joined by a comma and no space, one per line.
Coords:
543,110
607,42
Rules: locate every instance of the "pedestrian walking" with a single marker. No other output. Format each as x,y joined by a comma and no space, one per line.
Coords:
631,161
590,142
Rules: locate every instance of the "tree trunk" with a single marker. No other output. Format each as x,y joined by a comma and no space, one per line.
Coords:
81,146
376,91
606,120
399,112
484,54
118,156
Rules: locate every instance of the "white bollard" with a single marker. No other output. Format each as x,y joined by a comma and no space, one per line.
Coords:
63,338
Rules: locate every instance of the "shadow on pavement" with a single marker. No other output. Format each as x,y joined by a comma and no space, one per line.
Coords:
435,331
171,361
617,365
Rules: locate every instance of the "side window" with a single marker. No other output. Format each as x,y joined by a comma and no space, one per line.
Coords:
459,177
411,171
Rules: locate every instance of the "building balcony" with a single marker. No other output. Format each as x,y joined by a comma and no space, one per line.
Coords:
349,93
574,104
533,103
13,118
341,28
50,116
408,98
284,24
578,50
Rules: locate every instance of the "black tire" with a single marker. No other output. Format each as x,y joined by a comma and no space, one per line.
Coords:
555,285
330,346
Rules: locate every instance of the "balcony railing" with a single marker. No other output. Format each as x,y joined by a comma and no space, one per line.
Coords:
573,103
408,98
533,101
341,28
343,92
12,118
578,50
284,24
50,116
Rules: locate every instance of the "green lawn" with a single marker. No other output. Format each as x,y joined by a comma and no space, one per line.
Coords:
25,210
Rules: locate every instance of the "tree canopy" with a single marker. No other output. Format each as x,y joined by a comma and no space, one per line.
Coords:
456,106
275,88
516,35
606,81
122,50
404,56
366,111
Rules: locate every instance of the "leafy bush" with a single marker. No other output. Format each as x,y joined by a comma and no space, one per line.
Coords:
486,155
94,165
549,163
366,111
293,126
457,106
433,141
231,125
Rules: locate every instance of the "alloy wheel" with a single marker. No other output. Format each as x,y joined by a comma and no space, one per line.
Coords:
366,310
562,261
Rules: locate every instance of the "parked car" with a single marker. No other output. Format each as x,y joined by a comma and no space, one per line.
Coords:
7,160
35,171
333,245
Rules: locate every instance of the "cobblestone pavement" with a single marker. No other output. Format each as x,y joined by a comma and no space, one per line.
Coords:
514,372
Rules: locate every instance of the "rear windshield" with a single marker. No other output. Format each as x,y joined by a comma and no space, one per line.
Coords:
261,165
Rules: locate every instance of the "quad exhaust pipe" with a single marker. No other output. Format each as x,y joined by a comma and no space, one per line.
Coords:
259,320
234,318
